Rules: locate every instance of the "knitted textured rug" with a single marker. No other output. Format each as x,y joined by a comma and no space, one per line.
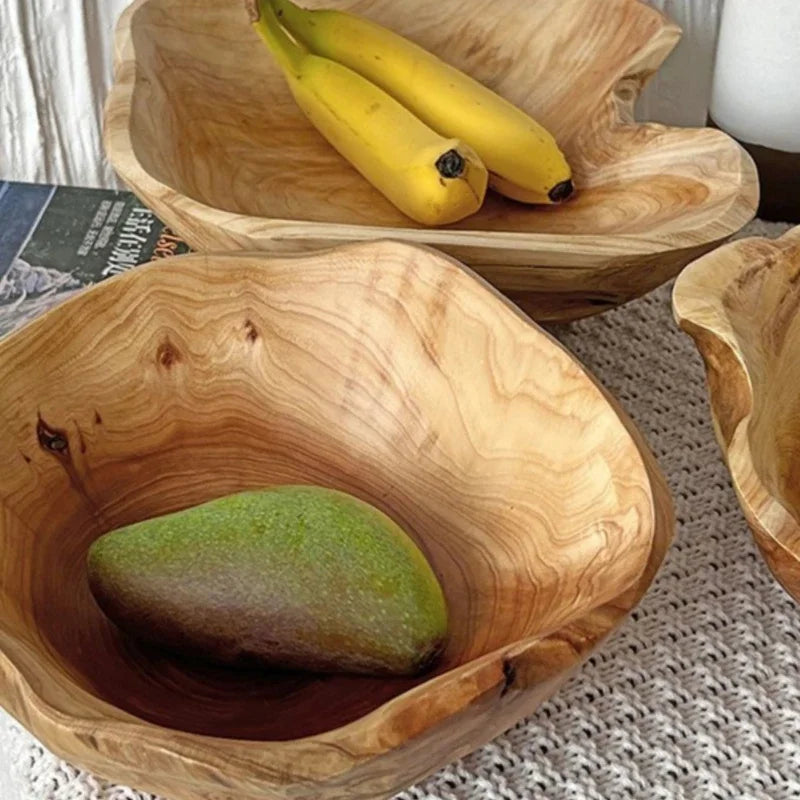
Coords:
696,698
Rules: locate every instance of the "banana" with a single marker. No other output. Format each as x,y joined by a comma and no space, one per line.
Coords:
432,179
522,157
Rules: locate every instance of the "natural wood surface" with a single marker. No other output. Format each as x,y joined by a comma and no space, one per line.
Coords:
386,370
740,304
201,125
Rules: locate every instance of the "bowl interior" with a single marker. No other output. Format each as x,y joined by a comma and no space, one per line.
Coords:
213,119
384,370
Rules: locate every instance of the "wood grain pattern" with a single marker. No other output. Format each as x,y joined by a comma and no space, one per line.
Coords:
203,128
385,370
741,304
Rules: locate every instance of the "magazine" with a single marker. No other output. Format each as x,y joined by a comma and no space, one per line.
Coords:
56,240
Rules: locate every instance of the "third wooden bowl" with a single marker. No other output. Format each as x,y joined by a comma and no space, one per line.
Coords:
741,305
385,370
200,124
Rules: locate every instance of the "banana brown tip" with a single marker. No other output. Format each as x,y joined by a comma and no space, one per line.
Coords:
451,164
561,191
252,10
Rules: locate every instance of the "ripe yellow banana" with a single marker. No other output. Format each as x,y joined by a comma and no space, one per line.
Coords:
522,157
432,179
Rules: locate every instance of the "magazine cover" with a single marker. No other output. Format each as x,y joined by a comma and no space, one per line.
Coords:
55,240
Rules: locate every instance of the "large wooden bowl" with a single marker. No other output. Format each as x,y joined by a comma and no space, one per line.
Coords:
385,370
202,126
741,304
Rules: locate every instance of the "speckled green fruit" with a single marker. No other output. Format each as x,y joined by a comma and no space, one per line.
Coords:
297,577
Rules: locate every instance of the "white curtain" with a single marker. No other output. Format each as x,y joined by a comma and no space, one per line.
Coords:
55,69
678,94
56,62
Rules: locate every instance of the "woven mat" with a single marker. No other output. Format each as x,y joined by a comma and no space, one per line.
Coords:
697,697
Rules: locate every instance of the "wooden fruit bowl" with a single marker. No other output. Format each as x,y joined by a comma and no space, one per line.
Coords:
201,125
382,369
740,305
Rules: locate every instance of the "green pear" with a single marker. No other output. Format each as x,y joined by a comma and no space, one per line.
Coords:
293,577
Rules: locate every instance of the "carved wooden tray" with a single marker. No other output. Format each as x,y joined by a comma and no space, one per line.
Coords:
385,370
201,125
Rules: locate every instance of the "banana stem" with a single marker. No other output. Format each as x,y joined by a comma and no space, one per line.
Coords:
286,50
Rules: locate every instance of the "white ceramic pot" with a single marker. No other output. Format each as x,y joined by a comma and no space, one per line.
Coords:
756,87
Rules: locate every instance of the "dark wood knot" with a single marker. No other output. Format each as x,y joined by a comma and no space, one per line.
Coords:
167,354
509,676
250,331
53,440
